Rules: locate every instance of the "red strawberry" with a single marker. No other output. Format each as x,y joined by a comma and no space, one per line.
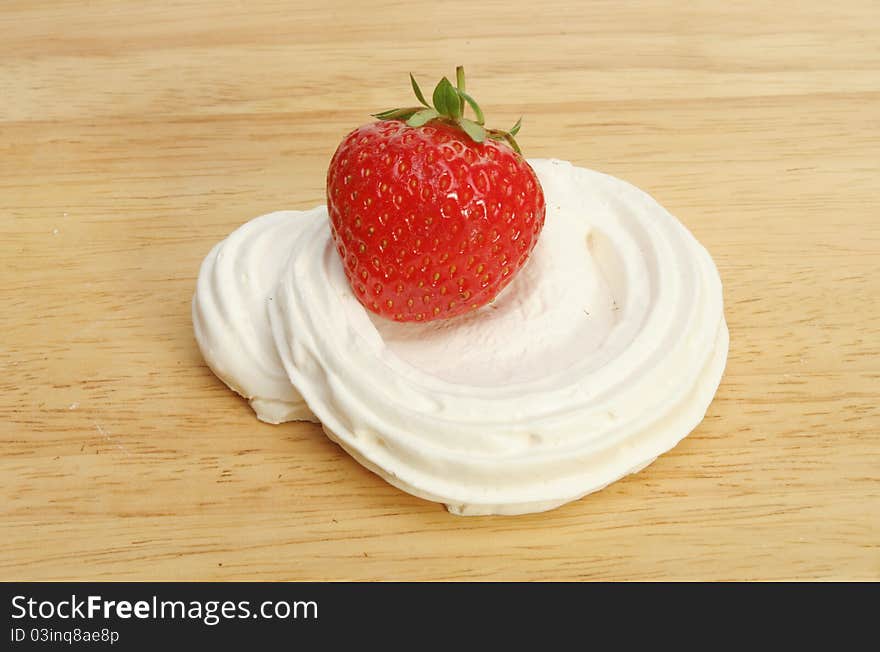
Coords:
432,214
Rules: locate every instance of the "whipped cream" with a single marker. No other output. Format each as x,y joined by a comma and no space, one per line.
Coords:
229,312
603,352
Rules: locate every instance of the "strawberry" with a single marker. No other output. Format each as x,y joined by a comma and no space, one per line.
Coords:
432,213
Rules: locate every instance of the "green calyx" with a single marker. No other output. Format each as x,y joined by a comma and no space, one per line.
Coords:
449,103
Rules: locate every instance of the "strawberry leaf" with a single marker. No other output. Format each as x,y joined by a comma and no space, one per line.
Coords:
397,114
418,91
423,116
476,107
513,144
472,129
446,100
514,130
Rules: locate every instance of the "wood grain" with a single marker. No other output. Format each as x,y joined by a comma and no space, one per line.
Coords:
135,135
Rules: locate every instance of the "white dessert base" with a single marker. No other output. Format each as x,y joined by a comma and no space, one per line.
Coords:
603,353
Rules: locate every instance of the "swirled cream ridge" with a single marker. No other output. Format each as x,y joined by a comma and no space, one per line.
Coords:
604,352
229,313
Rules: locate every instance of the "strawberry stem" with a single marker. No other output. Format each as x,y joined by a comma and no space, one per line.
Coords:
459,84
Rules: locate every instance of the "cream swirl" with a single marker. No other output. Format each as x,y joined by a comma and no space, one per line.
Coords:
229,312
604,352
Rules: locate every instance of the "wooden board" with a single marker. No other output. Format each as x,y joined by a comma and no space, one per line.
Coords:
135,135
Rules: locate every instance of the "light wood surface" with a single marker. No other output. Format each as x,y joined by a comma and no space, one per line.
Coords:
134,135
